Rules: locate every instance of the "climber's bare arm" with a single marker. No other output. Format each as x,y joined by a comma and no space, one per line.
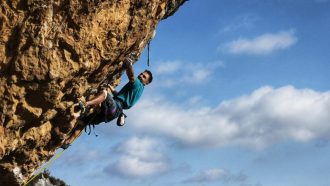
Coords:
129,70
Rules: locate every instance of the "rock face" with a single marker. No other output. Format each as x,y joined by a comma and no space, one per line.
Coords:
51,53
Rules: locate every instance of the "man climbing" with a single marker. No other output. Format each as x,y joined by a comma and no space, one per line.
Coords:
112,103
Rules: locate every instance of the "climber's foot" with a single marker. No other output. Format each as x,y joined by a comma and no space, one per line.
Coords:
82,107
65,146
121,119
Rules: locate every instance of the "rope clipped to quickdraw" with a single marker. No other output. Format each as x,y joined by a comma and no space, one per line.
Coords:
149,54
148,47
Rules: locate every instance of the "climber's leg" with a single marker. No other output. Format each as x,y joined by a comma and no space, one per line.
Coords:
98,100
83,105
75,133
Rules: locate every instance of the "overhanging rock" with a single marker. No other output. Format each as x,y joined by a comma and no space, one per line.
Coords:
51,52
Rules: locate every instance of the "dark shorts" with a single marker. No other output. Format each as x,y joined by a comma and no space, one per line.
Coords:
110,109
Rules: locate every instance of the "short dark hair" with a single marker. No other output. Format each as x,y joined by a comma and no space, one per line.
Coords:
150,75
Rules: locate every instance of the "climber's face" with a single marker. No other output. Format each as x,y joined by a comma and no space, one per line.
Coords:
144,77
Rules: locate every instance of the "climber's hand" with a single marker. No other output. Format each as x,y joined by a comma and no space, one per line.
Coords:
128,62
130,59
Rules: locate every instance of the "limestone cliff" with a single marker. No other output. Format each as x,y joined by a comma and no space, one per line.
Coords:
51,53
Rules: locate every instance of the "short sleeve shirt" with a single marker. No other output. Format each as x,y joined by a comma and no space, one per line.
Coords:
130,93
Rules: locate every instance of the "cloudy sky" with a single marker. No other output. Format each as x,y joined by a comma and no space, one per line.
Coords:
240,97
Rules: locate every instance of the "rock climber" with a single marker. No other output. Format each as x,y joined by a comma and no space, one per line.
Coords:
112,103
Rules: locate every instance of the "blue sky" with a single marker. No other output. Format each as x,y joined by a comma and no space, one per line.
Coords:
240,97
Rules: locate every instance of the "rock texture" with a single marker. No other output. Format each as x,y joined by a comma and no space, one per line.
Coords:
51,53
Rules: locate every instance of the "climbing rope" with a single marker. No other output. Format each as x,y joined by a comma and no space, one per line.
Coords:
44,168
49,163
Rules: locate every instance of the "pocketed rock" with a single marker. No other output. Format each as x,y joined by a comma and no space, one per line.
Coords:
51,53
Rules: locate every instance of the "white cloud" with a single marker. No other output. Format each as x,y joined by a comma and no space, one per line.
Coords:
140,157
264,44
143,148
168,67
172,73
216,174
240,22
264,117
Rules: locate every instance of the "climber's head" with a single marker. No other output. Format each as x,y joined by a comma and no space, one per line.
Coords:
145,77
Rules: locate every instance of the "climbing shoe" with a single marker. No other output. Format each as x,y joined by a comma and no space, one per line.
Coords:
65,146
82,107
121,119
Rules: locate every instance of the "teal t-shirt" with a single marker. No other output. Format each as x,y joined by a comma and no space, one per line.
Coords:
131,93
